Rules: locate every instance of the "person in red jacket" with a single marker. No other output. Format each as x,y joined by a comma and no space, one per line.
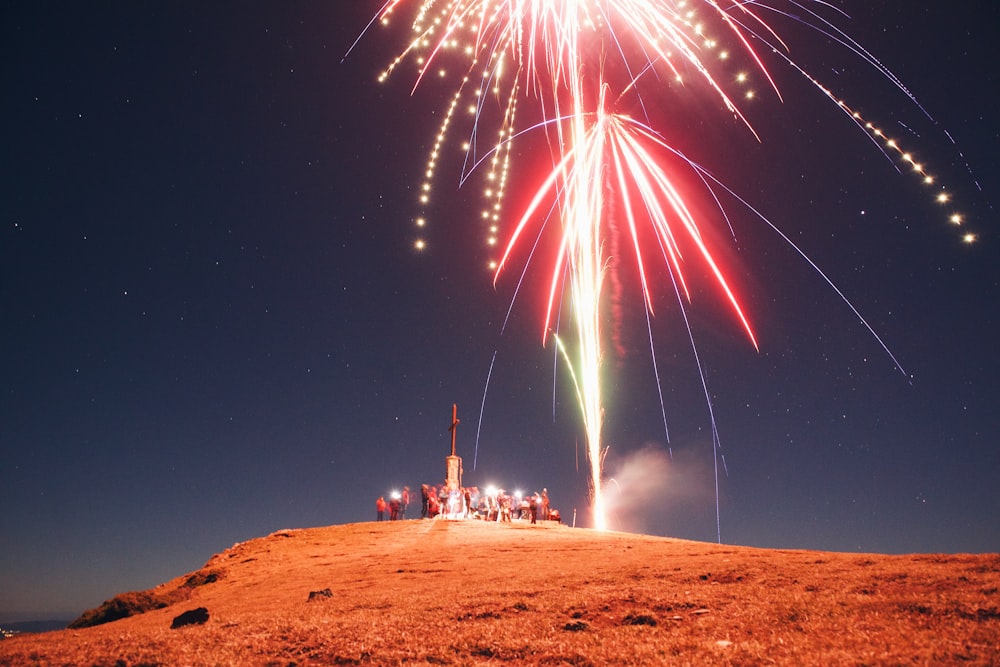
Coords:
380,507
404,502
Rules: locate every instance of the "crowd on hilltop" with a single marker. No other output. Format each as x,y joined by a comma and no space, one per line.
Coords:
491,504
397,504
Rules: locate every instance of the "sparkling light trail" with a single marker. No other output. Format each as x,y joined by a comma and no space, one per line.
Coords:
579,70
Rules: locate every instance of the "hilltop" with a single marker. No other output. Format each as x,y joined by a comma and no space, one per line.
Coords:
441,592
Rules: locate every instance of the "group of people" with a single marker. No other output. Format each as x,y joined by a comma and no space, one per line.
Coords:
469,503
398,502
503,506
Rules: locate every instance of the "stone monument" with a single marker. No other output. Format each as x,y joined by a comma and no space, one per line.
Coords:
453,463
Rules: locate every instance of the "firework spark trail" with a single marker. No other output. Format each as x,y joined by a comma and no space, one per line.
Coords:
556,54
632,166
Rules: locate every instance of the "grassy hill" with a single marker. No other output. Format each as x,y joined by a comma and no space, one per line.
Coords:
442,593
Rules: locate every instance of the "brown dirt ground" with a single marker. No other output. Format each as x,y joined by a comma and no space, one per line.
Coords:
471,593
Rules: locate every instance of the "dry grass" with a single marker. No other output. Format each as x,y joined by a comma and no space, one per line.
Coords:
443,593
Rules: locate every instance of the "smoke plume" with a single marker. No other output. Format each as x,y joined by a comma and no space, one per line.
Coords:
647,491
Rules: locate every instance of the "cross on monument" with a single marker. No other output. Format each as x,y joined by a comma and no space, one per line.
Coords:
454,426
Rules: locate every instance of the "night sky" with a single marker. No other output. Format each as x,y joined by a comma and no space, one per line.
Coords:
215,324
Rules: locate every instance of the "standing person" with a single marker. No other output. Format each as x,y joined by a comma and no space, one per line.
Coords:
405,502
425,497
380,508
505,501
394,509
534,508
545,504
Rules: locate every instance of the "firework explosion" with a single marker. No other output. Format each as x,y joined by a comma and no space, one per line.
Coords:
580,71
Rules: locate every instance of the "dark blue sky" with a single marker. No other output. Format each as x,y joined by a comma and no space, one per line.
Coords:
214,325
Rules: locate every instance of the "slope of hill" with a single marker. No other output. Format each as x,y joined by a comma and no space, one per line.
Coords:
440,592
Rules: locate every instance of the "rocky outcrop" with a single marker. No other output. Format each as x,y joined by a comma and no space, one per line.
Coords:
139,602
